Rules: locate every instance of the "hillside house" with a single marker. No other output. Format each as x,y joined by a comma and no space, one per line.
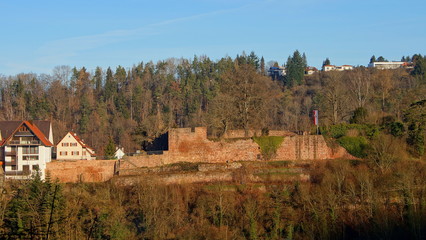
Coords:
388,65
310,70
71,147
25,148
119,153
276,72
327,68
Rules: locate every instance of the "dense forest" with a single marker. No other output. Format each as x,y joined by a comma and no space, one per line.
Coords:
379,116
133,106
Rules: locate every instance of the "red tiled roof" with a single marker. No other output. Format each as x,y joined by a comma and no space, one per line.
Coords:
84,145
32,128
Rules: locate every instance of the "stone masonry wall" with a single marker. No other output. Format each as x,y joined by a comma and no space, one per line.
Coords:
81,170
192,145
241,133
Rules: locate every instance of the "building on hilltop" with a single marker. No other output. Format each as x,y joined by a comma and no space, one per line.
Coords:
277,72
71,147
310,70
25,148
327,68
390,65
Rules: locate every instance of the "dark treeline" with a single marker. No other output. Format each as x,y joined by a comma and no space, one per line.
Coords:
137,104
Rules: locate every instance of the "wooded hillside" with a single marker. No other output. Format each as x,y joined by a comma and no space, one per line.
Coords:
136,104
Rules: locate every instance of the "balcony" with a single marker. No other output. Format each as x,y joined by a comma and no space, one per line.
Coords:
25,172
17,173
11,163
11,153
24,134
17,142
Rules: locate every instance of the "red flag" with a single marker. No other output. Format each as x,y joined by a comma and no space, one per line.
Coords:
315,115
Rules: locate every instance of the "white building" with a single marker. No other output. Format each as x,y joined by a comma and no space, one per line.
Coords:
119,153
387,65
25,148
71,147
276,72
310,70
327,68
346,67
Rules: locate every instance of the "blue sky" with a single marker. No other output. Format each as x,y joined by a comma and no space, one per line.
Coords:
36,36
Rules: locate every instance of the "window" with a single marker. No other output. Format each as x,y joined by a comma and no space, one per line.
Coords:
65,144
30,158
63,153
14,167
36,167
26,169
73,144
84,153
75,153
23,129
30,150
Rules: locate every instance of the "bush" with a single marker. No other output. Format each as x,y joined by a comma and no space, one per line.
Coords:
268,145
340,130
354,145
359,116
336,131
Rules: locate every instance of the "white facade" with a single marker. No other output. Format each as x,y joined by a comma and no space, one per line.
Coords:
21,162
327,68
386,65
277,71
71,147
346,67
310,70
119,153
25,150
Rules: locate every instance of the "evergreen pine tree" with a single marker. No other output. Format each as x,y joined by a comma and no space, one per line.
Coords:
36,211
110,87
110,149
326,62
381,59
295,69
98,81
262,66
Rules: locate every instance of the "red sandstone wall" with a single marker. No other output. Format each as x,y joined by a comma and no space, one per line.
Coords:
186,145
241,133
305,147
81,170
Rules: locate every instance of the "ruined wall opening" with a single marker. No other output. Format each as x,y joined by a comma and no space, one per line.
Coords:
158,145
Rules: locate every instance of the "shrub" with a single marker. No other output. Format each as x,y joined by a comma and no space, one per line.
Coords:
268,145
340,130
354,145
359,116
336,131
397,129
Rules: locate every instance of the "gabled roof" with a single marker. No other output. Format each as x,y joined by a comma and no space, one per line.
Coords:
9,128
43,125
84,145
